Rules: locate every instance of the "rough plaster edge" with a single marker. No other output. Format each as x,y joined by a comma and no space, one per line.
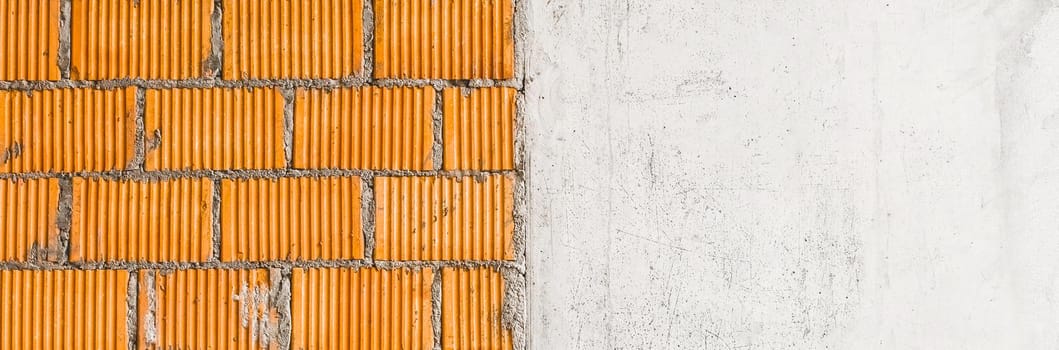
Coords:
62,58
314,83
516,303
131,304
367,216
435,306
437,152
215,222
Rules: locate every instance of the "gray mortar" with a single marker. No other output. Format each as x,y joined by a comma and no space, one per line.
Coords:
215,221
368,17
150,322
62,218
288,126
139,148
131,300
279,299
438,117
32,85
435,305
515,296
62,58
211,67
367,215
169,266
247,174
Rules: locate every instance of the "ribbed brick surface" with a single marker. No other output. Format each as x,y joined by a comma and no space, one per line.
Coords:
480,129
141,220
63,309
444,39
471,310
335,308
29,39
28,216
291,219
430,218
237,174
150,39
214,129
67,130
365,128
206,309
292,39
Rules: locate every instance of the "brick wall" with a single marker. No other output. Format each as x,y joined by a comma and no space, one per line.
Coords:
280,174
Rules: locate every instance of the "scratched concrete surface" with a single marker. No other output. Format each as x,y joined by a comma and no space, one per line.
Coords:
793,175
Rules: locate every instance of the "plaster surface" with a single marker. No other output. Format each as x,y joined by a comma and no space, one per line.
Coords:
797,174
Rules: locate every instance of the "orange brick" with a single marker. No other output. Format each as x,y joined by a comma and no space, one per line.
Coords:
63,309
365,128
141,221
29,39
361,309
479,129
67,130
292,39
444,39
215,128
151,39
443,218
291,219
207,309
472,302
27,220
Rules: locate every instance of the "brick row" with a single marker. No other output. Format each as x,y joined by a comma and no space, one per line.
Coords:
284,219
69,130
330,308
263,39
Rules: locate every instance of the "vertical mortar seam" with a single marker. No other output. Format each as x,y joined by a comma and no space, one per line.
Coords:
215,221
139,151
436,307
368,43
131,310
437,149
62,58
367,215
63,218
289,95
216,58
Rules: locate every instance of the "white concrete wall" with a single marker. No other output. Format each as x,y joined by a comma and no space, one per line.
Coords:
810,174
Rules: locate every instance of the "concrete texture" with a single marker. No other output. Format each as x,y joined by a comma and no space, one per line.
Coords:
792,175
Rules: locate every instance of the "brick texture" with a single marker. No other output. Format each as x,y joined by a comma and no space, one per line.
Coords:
149,39
365,128
259,174
444,39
